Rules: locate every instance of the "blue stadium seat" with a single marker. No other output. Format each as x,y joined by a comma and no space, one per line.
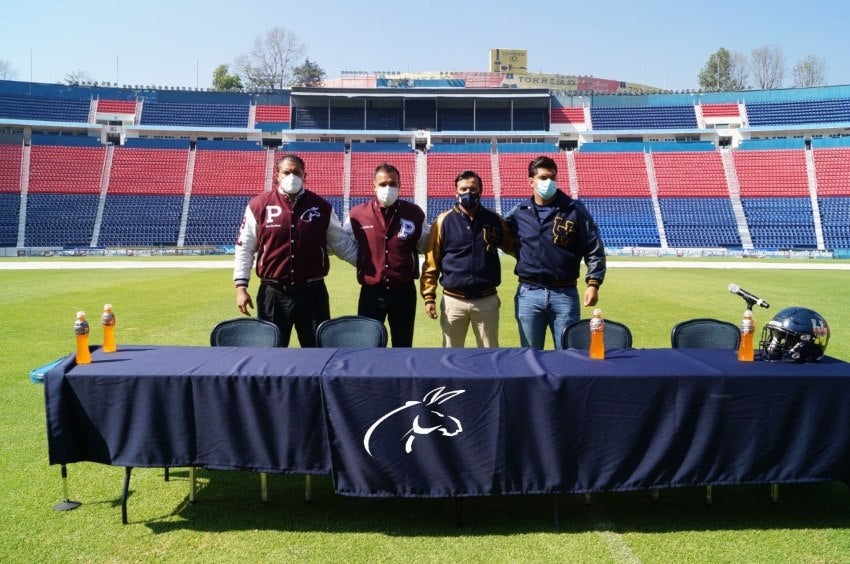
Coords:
699,222
131,220
59,220
214,220
10,203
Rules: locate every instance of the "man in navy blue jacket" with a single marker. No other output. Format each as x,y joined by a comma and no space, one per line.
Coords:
554,235
463,254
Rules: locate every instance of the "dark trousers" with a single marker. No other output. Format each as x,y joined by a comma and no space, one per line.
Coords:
304,308
397,305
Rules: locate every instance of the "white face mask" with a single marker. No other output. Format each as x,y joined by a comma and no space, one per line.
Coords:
546,188
291,184
387,195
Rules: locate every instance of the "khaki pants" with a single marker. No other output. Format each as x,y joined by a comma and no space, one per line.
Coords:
457,315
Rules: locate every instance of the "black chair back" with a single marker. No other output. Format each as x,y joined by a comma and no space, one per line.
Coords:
577,335
705,333
245,332
351,331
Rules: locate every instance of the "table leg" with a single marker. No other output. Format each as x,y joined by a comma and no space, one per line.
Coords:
66,504
125,493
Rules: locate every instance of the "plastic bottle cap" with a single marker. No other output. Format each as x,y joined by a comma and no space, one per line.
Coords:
81,314
597,312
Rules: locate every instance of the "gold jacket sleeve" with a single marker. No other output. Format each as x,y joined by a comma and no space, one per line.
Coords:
431,265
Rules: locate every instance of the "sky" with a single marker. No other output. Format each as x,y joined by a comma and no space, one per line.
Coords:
662,43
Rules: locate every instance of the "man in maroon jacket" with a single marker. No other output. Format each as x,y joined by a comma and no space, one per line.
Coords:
290,229
388,232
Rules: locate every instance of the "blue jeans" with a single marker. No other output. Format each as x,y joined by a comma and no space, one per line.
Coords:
537,309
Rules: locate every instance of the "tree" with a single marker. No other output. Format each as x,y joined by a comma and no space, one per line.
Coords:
768,66
308,74
271,62
740,72
721,73
809,71
77,76
224,82
7,70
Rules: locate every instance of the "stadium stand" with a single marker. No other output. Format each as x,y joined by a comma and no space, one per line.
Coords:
272,114
690,174
366,156
10,192
615,174
720,110
60,219
65,169
614,186
43,108
225,176
272,117
780,172
775,197
778,223
194,115
116,106
694,200
644,117
151,187
799,112
832,166
699,222
445,162
567,115
144,201
63,192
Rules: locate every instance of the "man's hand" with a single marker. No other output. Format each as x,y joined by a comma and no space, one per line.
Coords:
431,310
243,300
591,296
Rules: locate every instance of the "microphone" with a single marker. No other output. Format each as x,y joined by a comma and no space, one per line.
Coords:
748,297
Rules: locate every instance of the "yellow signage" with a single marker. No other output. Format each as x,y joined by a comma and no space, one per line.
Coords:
509,60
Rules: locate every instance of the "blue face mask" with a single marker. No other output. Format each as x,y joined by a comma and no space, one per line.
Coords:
469,199
546,188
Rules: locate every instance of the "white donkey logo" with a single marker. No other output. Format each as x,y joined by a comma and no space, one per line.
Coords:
434,421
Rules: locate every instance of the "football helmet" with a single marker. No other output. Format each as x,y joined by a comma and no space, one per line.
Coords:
795,334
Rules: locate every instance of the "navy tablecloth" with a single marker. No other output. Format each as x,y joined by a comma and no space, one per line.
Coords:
456,422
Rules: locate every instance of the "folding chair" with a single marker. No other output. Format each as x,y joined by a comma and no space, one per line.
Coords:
577,335
351,331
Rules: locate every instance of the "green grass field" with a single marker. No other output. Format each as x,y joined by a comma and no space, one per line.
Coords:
811,522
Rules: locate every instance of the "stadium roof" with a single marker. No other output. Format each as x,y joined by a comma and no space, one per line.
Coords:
504,93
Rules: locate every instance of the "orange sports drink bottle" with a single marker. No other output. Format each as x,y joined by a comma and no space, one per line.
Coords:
81,330
108,322
745,348
597,334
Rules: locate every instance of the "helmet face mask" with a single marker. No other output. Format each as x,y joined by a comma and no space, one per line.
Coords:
795,334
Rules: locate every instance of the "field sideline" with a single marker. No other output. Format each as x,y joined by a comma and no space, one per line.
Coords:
177,301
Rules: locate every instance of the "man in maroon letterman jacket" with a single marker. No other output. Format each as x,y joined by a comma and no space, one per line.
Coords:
290,229
389,234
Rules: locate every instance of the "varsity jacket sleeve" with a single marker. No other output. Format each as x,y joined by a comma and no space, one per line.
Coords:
594,251
246,247
341,242
509,243
422,245
431,265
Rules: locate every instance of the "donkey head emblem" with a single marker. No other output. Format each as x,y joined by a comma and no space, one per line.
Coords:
426,421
